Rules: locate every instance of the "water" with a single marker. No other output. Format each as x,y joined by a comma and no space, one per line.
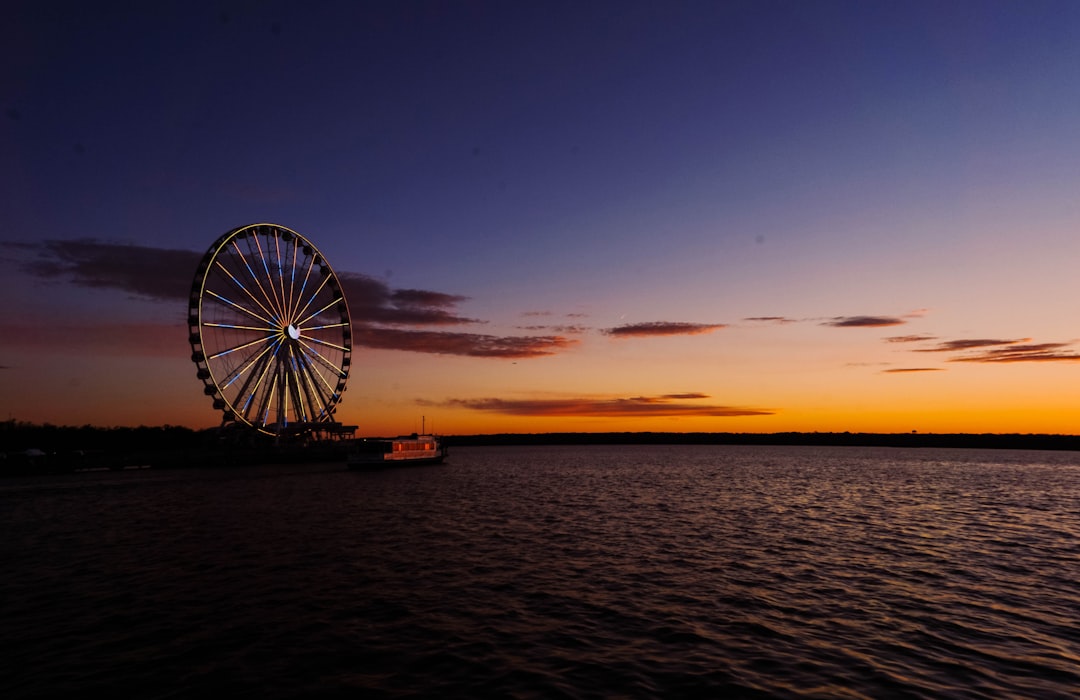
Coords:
630,571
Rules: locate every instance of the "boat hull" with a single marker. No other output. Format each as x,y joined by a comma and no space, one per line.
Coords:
361,464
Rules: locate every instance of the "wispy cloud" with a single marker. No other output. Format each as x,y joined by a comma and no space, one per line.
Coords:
969,344
907,370
568,329
847,321
1001,350
910,338
781,320
1030,352
667,405
467,344
864,321
655,328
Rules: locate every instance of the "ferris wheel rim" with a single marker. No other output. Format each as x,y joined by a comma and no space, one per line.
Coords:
271,352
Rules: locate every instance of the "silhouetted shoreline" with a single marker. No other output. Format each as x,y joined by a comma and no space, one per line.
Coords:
33,448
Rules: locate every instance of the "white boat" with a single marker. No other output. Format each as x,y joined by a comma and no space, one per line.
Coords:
406,450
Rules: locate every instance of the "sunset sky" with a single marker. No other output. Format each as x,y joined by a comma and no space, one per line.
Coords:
560,216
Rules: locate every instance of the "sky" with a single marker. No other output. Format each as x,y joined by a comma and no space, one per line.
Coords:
560,216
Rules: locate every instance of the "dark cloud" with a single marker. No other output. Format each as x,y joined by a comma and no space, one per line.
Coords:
373,301
467,344
864,321
654,328
909,338
156,273
166,275
905,370
1029,352
969,344
420,297
639,406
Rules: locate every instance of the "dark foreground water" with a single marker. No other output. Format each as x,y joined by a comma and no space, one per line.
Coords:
552,572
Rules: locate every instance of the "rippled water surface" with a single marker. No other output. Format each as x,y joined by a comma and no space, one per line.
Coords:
631,571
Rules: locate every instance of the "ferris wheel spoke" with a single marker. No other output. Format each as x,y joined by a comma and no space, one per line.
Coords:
328,326
254,278
304,398
314,393
276,234
247,398
228,351
327,344
325,361
335,301
268,398
246,291
300,312
266,268
239,307
292,278
283,399
281,272
300,406
263,393
288,387
230,326
254,382
242,368
314,371
277,288
294,310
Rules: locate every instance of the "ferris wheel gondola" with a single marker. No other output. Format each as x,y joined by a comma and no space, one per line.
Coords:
269,330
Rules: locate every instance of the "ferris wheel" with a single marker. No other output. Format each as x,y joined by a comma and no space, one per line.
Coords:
269,330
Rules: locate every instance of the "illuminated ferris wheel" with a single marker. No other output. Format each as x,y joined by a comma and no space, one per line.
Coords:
269,330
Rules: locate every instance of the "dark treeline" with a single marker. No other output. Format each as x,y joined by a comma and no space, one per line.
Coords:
39,448
963,440
17,436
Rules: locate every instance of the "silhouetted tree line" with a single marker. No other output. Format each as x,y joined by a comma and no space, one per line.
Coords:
962,440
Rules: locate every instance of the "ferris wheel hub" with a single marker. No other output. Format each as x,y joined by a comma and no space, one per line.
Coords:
293,332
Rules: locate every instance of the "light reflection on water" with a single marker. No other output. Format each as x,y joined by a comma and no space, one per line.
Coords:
641,571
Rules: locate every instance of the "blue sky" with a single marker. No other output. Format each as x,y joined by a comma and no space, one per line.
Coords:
557,170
